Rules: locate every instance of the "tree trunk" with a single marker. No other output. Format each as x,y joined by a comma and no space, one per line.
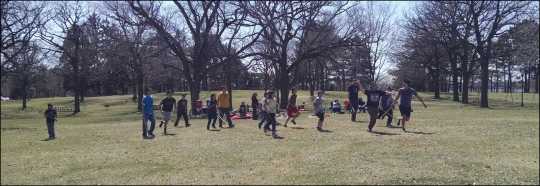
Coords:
436,86
484,77
465,88
283,86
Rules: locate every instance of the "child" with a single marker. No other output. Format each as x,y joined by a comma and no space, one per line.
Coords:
50,115
292,110
318,107
302,107
347,106
148,114
387,107
361,105
373,98
212,111
224,105
270,106
242,110
336,106
167,106
254,106
405,108
181,111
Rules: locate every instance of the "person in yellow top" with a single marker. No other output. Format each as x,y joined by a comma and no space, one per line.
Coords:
224,106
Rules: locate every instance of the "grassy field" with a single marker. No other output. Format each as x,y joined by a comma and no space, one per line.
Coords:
449,143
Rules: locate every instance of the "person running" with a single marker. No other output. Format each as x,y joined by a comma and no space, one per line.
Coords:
353,98
292,109
148,114
50,117
254,106
212,111
224,106
263,111
373,99
182,111
167,105
387,106
318,108
405,108
270,106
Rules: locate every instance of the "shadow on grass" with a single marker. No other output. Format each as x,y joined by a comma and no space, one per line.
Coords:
170,134
214,130
16,128
278,137
325,131
384,133
420,132
297,128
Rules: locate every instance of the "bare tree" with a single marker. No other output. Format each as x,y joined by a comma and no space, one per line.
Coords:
67,18
21,21
207,23
289,22
489,18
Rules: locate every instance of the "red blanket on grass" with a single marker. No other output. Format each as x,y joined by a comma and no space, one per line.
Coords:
237,116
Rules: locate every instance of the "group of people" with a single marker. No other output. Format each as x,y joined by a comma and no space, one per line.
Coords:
379,104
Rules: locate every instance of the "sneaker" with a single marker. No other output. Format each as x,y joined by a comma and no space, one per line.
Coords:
389,126
285,125
275,136
319,128
398,122
187,125
293,122
160,124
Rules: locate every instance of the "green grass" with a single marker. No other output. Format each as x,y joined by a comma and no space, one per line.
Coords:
451,143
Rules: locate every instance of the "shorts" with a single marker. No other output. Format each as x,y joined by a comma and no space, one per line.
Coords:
373,112
354,104
167,116
292,111
320,115
405,110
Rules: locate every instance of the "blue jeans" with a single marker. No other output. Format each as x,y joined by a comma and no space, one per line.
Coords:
224,113
264,117
147,117
50,128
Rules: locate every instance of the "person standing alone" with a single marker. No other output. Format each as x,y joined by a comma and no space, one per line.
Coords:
50,115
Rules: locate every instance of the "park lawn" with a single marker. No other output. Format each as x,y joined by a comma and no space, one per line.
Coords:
449,143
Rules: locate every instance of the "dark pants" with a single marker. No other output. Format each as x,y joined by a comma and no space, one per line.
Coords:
180,115
224,112
264,117
50,128
255,115
373,113
354,108
271,122
389,114
145,129
212,117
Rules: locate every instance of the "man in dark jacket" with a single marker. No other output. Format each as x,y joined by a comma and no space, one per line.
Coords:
50,115
181,111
